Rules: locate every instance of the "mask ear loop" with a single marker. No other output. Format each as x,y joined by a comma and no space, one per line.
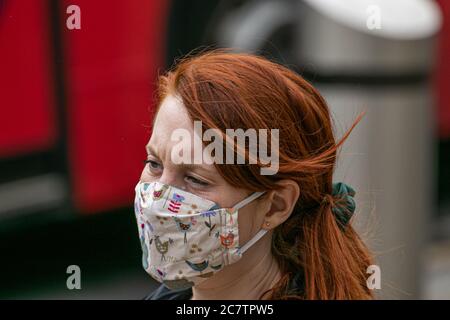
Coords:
249,243
243,203
261,232
247,200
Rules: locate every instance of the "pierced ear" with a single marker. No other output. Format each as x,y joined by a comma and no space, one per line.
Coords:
282,203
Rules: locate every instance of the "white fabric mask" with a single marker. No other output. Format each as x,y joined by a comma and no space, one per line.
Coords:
185,239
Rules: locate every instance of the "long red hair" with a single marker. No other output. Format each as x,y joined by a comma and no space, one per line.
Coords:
237,90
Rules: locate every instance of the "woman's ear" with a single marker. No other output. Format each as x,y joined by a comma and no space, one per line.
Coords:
281,203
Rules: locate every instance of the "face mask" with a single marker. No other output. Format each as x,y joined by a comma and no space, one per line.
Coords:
185,239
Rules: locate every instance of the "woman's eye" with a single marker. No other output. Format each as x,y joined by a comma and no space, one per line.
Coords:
196,181
153,165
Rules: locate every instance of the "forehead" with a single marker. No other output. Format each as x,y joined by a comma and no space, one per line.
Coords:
172,115
171,119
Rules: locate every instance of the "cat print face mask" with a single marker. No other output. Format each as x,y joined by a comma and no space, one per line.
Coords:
185,239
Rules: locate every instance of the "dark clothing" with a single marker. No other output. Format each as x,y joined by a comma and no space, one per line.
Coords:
163,293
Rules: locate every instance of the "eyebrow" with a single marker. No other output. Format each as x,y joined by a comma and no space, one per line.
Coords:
189,166
151,150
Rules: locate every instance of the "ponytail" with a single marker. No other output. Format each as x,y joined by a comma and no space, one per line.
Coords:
320,252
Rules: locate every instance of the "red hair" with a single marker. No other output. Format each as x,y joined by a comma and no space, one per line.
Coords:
237,90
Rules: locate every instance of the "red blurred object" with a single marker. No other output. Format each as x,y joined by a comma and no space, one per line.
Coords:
112,64
443,73
27,107
109,69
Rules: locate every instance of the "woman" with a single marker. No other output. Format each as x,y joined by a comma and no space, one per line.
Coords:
221,230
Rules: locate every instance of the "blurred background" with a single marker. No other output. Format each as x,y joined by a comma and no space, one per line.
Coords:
75,109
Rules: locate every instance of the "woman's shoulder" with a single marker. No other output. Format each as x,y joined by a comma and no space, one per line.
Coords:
164,293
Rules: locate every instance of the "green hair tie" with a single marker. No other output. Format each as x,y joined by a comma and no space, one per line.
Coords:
344,206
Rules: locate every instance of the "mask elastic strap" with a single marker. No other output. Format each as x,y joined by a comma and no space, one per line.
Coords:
252,241
249,199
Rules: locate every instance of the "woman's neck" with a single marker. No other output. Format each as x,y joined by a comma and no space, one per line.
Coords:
246,279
